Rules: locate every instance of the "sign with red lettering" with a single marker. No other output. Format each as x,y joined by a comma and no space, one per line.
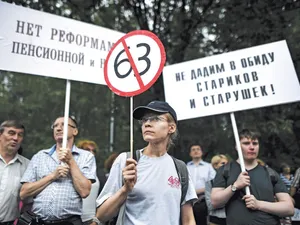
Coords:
134,63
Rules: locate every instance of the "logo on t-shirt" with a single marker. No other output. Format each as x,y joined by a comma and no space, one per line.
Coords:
174,182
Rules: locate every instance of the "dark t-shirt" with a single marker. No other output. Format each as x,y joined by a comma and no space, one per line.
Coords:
261,187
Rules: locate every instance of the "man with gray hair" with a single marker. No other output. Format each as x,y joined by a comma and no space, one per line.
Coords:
58,178
12,167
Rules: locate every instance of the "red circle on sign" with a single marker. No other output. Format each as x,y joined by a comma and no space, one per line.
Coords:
142,86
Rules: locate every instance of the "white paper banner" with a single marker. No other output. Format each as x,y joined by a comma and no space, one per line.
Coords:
244,79
39,43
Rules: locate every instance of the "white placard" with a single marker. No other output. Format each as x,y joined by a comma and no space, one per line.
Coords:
39,43
244,79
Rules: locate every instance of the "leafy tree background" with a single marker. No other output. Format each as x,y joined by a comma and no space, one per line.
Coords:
189,29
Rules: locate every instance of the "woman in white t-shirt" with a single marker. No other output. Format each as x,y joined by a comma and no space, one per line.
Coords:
150,189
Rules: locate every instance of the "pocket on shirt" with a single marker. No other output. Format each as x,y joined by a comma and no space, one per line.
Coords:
16,186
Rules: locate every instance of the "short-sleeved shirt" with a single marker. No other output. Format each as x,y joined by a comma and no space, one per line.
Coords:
89,203
261,187
10,176
296,180
220,213
201,173
59,199
287,182
155,198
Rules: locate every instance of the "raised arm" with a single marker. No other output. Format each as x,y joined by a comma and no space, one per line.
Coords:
111,206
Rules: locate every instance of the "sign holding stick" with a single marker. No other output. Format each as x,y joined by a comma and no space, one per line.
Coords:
133,65
238,146
66,113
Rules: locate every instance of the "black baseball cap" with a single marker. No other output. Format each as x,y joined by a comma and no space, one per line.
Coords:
156,106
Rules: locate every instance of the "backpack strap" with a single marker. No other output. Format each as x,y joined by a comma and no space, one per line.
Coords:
226,171
273,175
136,155
183,175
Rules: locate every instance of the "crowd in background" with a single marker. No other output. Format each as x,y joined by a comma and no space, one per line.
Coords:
85,183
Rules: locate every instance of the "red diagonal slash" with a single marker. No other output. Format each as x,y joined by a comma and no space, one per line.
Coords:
136,72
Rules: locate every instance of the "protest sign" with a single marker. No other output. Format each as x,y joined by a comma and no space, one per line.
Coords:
39,43
244,79
134,63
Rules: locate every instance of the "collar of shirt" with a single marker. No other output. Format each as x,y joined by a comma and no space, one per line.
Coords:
201,163
51,150
283,177
13,160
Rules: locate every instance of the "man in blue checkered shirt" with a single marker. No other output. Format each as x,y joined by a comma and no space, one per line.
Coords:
58,188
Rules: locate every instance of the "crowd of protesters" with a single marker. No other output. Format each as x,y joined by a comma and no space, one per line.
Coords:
63,186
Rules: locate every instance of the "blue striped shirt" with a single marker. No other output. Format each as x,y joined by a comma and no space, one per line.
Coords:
287,182
59,199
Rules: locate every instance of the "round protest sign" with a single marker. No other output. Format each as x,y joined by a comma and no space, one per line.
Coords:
134,63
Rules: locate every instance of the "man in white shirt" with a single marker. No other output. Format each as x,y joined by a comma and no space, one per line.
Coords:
12,167
200,172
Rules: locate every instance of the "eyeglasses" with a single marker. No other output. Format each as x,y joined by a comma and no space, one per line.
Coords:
53,126
151,119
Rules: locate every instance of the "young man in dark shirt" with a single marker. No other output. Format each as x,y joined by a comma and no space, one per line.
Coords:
260,207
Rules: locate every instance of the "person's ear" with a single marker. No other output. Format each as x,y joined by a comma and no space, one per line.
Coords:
172,128
75,131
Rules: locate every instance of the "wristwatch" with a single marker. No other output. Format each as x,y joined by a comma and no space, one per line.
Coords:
233,188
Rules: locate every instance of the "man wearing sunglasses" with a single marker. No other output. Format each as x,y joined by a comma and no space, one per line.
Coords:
260,207
59,178
201,172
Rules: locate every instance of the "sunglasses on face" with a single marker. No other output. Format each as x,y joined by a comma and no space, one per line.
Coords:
151,119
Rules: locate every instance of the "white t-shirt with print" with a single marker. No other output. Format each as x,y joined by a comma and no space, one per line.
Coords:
155,198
